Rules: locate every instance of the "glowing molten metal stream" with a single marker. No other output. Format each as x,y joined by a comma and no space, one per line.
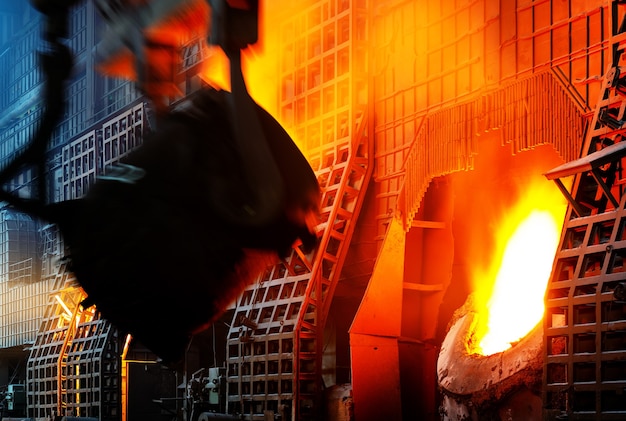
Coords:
526,243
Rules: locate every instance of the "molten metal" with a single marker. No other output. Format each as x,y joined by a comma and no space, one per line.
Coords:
526,242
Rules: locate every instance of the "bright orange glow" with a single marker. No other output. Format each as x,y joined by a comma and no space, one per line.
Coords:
126,346
260,70
185,23
526,242
68,312
259,65
215,68
188,22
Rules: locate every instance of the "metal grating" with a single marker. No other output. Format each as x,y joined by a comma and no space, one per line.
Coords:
23,296
73,367
585,321
120,135
275,340
275,343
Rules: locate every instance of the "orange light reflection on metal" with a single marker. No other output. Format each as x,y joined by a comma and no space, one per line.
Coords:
68,312
215,68
126,346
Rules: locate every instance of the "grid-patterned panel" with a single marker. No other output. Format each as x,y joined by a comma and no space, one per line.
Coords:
275,345
43,363
79,165
22,295
94,152
122,134
73,368
585,321
92,371
323,72
431,55
261,340
585,324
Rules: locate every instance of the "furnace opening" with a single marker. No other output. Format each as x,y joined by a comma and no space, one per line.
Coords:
507,223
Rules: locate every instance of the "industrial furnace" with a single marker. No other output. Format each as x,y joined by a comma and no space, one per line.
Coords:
425,122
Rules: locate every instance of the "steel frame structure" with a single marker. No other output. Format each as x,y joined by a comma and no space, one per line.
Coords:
585,322
73,368
275,342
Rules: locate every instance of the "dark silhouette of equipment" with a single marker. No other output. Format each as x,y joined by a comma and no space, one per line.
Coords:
165,241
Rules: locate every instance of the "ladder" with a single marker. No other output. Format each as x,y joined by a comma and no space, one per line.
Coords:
275,341
343,188
585,319
62,361
73,367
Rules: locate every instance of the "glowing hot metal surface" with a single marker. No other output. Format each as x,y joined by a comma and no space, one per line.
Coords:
527,240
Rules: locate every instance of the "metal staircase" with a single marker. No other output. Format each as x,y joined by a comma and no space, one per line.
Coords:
585,320
343,186
275,342
62,361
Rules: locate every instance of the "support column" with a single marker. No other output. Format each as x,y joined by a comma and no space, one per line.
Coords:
374,335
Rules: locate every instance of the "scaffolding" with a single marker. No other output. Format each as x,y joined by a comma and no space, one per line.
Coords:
74,365
585,320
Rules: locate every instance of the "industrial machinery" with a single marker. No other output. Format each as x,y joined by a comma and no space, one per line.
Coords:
13,401
206,393
237,176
